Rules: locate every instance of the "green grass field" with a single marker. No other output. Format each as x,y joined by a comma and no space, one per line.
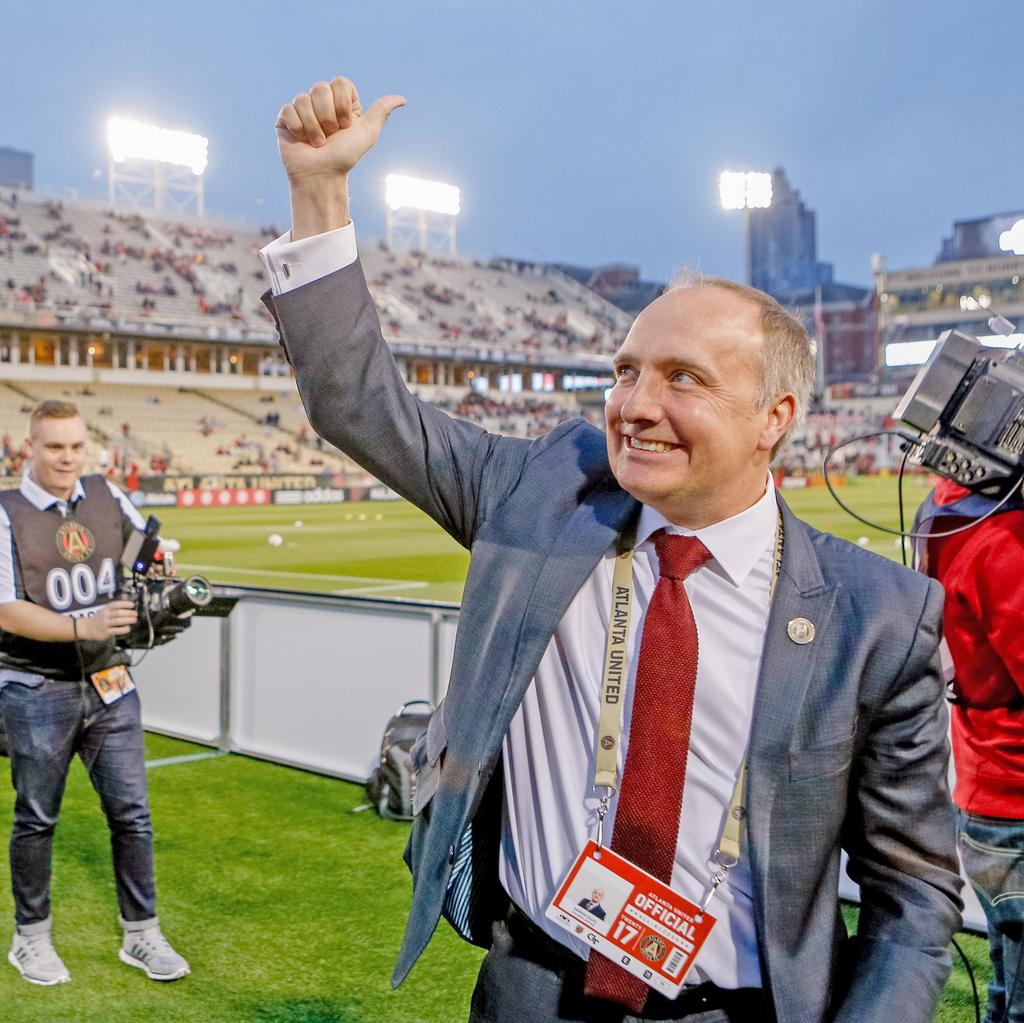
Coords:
290,904
391,549
386,549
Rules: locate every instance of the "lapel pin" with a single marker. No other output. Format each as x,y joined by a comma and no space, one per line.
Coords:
800,630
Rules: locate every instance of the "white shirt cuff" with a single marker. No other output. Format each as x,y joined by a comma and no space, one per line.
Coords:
290,264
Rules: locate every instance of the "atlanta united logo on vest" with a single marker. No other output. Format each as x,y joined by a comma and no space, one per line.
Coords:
75,542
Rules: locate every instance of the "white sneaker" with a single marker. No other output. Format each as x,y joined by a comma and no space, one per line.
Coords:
32,954
146,948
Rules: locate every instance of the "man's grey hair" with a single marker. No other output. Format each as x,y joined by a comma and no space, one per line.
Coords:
788,362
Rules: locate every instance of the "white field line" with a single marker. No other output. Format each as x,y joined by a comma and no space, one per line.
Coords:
398,585
374,582
185,758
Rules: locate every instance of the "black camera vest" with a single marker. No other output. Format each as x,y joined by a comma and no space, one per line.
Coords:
69,565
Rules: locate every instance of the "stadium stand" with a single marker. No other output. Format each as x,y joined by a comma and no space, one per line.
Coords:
175,365
809,443
155,327
164,429
84,258
169,430
500,303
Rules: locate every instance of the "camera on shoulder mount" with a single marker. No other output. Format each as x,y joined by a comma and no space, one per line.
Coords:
164,603
966,412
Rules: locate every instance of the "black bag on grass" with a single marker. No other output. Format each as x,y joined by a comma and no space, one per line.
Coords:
389,788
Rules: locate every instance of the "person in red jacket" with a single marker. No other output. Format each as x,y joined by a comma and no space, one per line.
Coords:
982,572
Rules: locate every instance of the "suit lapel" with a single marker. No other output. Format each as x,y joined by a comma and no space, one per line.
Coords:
606,518
786,664
600,522
787,667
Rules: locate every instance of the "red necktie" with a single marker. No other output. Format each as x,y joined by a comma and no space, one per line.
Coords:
651,793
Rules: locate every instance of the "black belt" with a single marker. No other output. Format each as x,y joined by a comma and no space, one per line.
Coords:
536,945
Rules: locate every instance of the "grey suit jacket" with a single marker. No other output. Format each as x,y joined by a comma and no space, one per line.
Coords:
848,746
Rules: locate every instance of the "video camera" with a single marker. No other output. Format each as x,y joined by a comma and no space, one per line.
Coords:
164,604
966,405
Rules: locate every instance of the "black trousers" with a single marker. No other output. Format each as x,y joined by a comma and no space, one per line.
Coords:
527,977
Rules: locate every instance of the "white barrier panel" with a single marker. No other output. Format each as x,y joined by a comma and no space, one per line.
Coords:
315,687
301,679
180,684
446,645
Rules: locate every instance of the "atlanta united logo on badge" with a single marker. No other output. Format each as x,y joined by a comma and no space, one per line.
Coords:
653,949
75,542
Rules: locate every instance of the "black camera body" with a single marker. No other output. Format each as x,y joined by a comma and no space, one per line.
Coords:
967,408
164,603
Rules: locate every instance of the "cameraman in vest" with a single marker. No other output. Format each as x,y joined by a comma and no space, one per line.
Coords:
64,690
982,572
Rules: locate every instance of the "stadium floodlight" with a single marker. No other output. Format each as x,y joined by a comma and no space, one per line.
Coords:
421,214
745,190
129,140
155,167
403,192
732,190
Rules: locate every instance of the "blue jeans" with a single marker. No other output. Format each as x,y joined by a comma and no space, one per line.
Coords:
46,726
992,849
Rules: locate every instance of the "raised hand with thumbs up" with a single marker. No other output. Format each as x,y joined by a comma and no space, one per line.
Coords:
321,135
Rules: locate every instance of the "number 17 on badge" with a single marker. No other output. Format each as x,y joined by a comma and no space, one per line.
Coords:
631,917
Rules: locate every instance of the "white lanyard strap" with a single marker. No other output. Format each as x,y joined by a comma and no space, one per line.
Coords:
616,666
609,725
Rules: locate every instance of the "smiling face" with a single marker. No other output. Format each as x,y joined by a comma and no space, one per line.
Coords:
57,449
686,434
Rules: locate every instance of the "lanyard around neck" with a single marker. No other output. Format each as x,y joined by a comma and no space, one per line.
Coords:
609,725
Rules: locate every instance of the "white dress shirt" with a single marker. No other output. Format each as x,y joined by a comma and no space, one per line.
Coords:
550,806
291,264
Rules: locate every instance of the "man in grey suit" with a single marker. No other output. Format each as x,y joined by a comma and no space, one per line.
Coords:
817,665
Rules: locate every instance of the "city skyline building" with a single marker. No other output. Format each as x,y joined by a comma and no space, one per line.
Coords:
993,235
978,274
16,168
783,243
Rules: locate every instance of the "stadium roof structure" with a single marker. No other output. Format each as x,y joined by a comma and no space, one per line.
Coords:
91,283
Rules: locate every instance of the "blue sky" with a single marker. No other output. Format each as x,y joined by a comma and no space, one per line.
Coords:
588,132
